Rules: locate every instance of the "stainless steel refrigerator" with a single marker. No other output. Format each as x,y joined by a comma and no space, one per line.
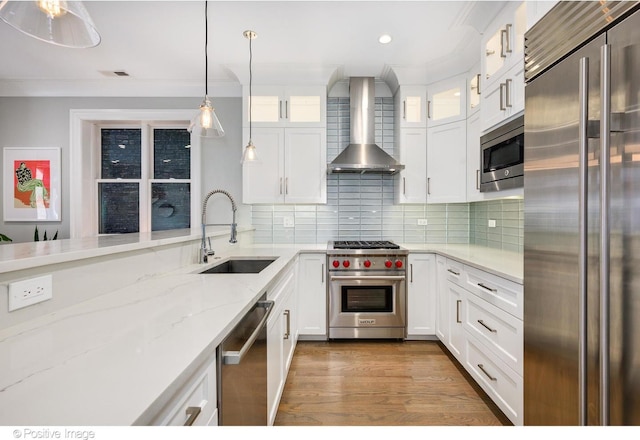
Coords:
582,216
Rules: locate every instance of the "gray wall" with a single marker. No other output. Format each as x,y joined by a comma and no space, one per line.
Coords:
44,122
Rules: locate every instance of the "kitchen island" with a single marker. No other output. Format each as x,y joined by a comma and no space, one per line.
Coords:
119,357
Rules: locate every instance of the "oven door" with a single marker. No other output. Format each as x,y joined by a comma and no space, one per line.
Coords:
367,300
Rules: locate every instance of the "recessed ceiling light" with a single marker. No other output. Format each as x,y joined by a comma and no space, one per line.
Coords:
384,39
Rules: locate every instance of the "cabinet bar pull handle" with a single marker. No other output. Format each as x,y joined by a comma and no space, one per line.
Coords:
411,273
605,229
322,273
583,142
485,372
193,412
281,186
492,330
428,109
286,109
453,272
507,31
280,110
287,313
404,109
502,87
428,185
286,185
507,86
487,288
404,185
478,84
490,52
503,35
458,302
477,179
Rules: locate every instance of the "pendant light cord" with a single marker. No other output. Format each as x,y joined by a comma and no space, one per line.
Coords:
206,49
250,81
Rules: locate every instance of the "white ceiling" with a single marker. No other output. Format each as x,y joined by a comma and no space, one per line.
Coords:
160,44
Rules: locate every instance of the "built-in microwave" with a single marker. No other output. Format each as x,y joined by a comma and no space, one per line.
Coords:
502,157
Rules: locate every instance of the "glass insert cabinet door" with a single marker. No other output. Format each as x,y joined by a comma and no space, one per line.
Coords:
285,106
145,180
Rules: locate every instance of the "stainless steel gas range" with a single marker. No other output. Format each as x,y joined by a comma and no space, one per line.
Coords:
367,290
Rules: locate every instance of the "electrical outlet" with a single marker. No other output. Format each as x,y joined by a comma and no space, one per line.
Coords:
492,223
289,222
28,292
422,222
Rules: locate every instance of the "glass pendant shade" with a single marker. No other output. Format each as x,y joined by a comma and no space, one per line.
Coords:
206,123
250,154
64,23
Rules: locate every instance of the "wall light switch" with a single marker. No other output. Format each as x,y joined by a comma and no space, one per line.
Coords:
422,222
492,223
289,222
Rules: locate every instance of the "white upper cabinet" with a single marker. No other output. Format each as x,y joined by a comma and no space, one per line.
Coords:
503,42
411,105
536,10
290,106
291,166
473,90
473,158
411,182
447,163
447,101
502,79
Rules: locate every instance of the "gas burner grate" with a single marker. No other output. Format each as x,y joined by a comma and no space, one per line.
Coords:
366,244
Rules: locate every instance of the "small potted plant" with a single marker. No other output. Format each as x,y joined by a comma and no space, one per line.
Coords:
4,238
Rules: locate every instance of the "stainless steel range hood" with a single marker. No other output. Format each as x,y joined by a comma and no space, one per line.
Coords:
362,155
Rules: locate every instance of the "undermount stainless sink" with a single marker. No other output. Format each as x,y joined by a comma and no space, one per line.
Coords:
241,265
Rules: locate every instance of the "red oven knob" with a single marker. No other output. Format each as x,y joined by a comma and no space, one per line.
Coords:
367,263
398,264
346,263
336,263
388,263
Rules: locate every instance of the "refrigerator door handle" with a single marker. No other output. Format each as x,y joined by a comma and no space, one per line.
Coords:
605,198
584,126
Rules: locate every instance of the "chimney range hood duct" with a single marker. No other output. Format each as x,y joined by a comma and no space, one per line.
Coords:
362,155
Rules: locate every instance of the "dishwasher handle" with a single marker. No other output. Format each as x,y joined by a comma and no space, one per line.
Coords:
235,357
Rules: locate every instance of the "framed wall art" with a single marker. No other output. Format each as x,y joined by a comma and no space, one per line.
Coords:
31,184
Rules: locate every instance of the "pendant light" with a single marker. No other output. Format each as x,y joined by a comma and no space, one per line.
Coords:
250,154
205,123
59,22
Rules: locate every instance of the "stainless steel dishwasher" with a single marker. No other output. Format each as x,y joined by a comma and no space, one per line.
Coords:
242,370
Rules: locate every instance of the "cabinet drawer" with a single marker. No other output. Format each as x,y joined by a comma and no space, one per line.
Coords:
501,383
498,291
454,272
199,394
497,330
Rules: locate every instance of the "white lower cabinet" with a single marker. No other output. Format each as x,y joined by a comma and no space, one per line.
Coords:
312,296
421,296
479,320
195,403
501,383
281,340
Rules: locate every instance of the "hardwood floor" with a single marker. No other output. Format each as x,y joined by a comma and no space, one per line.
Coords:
390,383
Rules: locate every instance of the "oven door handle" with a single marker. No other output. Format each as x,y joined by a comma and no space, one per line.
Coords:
368,277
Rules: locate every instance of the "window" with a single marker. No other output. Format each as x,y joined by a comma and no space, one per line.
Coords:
145,179
134,171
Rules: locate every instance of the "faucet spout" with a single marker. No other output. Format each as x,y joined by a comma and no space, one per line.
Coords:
204,251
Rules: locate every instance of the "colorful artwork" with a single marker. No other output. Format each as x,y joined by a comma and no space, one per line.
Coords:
32,183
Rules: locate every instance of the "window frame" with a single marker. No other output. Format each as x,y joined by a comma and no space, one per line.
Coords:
83,188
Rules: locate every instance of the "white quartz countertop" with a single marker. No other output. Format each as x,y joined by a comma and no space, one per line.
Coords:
107,361
505,264
111,360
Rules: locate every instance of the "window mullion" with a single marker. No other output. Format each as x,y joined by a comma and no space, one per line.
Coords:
146,174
